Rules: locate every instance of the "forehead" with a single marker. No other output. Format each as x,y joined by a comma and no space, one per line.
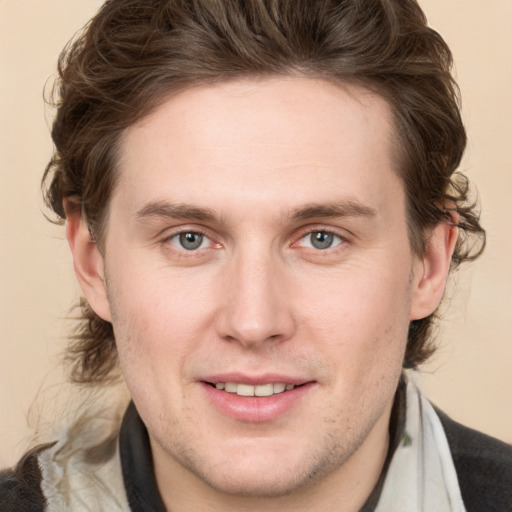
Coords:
260,139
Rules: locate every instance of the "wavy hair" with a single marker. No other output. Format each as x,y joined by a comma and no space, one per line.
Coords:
134,53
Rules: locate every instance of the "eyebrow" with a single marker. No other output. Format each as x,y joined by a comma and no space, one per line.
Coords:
345,208
176,211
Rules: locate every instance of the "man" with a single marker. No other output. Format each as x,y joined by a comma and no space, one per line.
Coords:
262,203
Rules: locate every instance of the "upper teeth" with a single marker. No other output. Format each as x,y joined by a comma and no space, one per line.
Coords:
248,390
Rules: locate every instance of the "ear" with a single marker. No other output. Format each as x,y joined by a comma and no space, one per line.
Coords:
431,270
87,260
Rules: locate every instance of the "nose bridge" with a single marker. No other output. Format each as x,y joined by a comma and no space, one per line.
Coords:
256,309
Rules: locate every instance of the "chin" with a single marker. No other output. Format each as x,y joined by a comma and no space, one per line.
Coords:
269,474
252,485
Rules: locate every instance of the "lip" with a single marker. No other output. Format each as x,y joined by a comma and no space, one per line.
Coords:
255,409
255,380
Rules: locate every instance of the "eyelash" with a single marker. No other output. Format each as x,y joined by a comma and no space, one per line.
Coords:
338,240
169,241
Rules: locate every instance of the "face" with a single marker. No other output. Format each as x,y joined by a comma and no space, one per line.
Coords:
260,280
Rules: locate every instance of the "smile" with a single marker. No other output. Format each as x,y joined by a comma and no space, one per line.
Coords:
258,390
255,399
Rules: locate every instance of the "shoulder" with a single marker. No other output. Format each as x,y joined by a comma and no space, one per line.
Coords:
20,488
483,465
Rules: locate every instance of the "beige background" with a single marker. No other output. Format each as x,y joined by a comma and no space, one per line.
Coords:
471,377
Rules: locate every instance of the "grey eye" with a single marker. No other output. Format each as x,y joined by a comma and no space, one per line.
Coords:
190,241
322,240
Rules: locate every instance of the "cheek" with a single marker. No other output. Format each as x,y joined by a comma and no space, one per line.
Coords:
157,317
357,300
157,300
364,318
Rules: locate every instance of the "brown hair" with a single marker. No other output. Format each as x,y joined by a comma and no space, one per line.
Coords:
134,53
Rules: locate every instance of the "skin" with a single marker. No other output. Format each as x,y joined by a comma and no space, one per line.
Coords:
270,161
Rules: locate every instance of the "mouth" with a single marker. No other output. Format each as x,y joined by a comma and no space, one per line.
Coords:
256,399
249,390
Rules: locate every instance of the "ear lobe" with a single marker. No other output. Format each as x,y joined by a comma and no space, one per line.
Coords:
432,269
87,261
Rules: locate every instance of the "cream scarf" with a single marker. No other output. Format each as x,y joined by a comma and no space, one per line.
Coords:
421,476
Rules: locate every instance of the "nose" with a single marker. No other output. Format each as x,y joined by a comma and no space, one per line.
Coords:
256,306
